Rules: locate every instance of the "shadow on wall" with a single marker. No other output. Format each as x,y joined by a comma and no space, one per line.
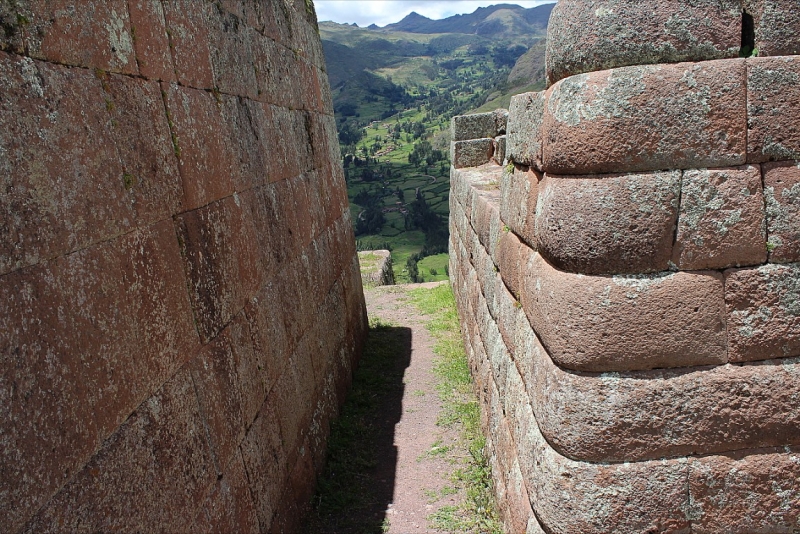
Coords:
358,483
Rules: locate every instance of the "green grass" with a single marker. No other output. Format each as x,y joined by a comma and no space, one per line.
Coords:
477,513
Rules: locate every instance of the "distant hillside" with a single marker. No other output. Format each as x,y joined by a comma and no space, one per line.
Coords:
486,21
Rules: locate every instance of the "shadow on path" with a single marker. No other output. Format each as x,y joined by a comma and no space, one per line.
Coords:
357,484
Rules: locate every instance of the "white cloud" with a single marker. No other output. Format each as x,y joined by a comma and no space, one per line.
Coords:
383,12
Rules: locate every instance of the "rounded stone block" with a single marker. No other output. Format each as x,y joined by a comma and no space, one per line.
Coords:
773,116
722,219
618,323
519,190
763,306
647,118
616,223
776,25
591,35
525,114
782,194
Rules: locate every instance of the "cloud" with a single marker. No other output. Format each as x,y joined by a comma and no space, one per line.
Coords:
383,12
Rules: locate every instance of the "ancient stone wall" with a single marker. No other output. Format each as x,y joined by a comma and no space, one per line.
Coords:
628,283
180,299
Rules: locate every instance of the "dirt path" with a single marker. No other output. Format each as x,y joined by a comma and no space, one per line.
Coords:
422,469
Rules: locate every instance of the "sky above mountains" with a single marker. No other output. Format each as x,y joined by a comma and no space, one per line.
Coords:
383,12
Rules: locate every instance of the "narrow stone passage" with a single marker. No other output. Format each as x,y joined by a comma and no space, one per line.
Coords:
424,450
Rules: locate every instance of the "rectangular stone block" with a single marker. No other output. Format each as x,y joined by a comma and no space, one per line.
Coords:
150,40
61,191
776,25
471,153
763,306
744,492
191,29
499,149
255,370
647,118
782,194
525,115
141,132
206,154
69,355
610,223
220,261
633,322
96,35
276,74
153,470
722,220
773,87
477,125
519,189
232,57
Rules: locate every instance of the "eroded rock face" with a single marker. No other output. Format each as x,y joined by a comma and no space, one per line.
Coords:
782,195
776,26
773,89
181,301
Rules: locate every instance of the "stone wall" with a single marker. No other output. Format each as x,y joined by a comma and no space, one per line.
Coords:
180,293
628,283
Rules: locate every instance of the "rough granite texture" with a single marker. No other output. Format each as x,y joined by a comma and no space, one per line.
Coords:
181,301
782,195
777,26
471,153
608,224
722,219
773,117
704,448
591,35
645,118
525,114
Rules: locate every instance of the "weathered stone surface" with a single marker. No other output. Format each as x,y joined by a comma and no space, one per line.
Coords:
222,267
154,468
592,35
763,307
499,149
67,355
189,27
151,42
782,195
722,220
229,507
95,35
777,26
519,188
644,118
635,322
471,153
525,114
474,126
233,58
608,224
376,267
773,118
61,191
745,492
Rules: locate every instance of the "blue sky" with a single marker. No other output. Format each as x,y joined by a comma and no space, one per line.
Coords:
383,12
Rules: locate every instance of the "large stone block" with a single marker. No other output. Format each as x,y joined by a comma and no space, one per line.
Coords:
519,190
608,224
221,263
232,56
206,155
478,125
782,194
62,191
745,492
229,507
525,114
151,42
763,312
635,322
646,118
776,25
722,220
153,470
471,153
773,118
592,35
190,27
94,332
95,35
